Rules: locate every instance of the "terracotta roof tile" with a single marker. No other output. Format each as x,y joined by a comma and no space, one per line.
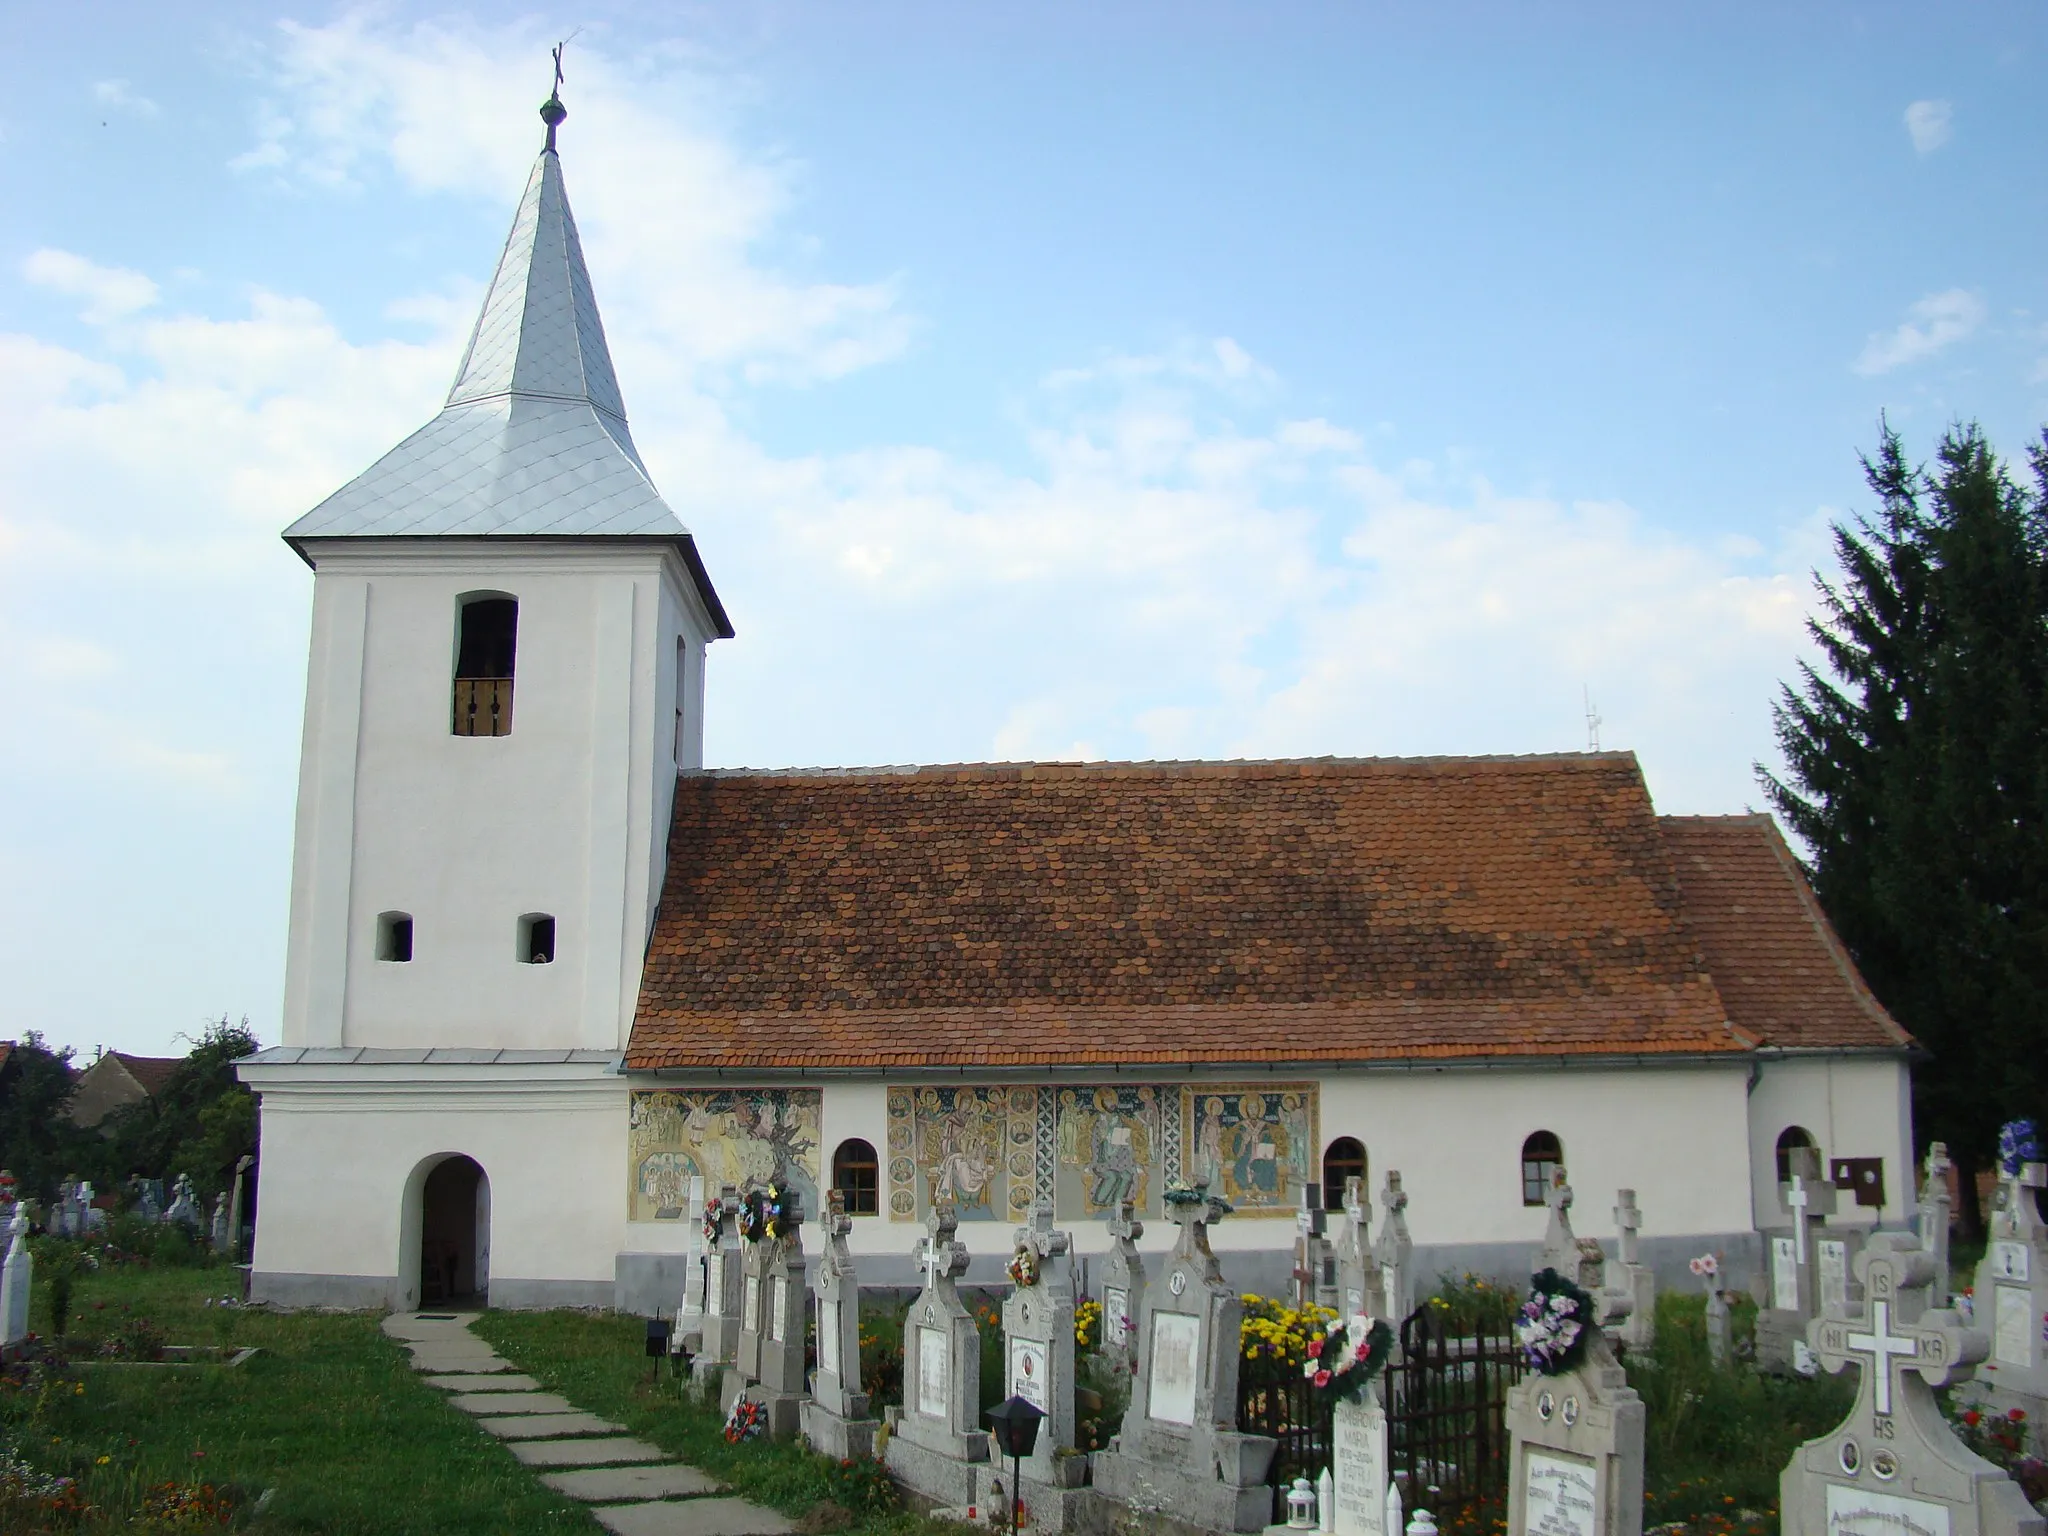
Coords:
1775,957
1038,915
151,1072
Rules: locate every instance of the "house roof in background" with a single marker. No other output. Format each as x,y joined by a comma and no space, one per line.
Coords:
1062,915
1780,967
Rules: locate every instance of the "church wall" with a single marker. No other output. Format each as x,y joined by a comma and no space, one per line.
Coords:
345,1156
563,816
1853,1106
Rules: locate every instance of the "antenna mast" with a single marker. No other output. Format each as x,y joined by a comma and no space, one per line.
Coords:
1593,722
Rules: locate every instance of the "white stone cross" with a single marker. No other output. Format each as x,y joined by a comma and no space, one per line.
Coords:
1885,1348
837,1222
1393,1197
1559,1198
1628,1219
938,1254
1798,1197
1356,1206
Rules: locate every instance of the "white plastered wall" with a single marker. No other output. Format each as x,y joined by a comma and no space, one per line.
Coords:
1853,1106
340,1144
568,815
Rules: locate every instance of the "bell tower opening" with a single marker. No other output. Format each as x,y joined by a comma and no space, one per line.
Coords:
487,644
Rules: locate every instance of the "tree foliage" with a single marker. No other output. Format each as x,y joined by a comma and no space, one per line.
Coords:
38,1143
201,1122
1917,775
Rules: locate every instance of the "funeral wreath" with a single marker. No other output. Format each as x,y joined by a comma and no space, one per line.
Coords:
1024,1267
1346,1357
2019,1143
747,1421
1555,1324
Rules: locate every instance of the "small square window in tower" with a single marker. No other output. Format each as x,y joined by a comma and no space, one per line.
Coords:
537,939
487,644
394,937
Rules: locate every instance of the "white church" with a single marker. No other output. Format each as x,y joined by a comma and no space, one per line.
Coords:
545,968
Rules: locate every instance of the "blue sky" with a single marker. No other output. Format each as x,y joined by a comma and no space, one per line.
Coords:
1134,381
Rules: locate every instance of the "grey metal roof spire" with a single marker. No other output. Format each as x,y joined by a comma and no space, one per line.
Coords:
533,439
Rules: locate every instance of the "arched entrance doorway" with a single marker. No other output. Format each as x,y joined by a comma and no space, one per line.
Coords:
455,1233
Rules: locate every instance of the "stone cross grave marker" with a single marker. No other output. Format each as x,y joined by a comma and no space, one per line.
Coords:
780,1382
1359,1288
1894,1467
722,1288
1359,1468
184,1204
1575,1458
1391,1250
1038,1344
236,1207
17,1273
1579,1260
1123,1284
2012,1292
1934,1215
219,1227
689,1329
836,1420
745,1370
1180,1450
939,1438
1794,1280
1637,1280
1312,1257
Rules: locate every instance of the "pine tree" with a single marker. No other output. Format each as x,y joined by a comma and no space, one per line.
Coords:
1918,777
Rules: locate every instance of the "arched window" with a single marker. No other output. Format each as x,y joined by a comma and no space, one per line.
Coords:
394,937
1542,1156
536,939
487,644
1344,1159
857,1176
1793,1138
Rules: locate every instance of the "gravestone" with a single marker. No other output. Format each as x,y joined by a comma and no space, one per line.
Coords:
1038,1349
1575,1459
235,1208
1934,1216
1360,1472
1834,1285
1579,1259
688,1333
1359,1288
755,1253
1181,1451
1314,1275
1123,1285
722,1277
184,1207
147,1198
936,1437
218,1228
779,1383
17,1273
1894,1467
835,1420
1636,1280
1792,1276
1391,1250
2012,1296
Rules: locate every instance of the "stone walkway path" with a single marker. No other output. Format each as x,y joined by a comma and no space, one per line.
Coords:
633,1488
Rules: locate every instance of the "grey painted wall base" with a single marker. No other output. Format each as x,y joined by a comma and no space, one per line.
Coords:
538,1295
649,1284
335,1293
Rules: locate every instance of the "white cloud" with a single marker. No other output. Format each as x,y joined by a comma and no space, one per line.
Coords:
118,95
1932,323
110,293
1930,124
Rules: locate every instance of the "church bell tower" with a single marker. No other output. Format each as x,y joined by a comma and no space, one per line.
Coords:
506,675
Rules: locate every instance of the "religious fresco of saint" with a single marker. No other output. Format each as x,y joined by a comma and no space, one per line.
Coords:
1112,1147
744,1137
977,1147
1256,1147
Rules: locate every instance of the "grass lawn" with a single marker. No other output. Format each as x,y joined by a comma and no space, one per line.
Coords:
330,1414
596,1361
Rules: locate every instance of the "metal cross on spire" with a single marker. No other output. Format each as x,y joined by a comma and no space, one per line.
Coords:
552,111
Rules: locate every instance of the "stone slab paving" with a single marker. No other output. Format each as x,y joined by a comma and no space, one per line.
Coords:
617,1485
512,1402
691,1517
585,1453
633,1488
550,1426
478,1381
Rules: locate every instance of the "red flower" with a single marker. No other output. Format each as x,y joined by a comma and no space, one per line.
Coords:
1973,1418
1322,1378
2017,1415
1315,1349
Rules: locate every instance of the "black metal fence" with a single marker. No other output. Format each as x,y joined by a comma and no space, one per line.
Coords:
1446,1403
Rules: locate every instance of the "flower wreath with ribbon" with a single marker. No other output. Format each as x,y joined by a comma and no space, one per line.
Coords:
2019,1143
711,1224
774,1212
747,1421
1346,1357
753,1217
1555,1325
1024,1266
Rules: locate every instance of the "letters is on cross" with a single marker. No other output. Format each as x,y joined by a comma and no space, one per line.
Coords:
1937,1347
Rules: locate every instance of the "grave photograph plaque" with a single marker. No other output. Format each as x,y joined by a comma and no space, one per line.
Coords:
1560,1494
1171,1381
934,1359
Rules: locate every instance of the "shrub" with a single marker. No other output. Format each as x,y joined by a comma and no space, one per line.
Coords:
862,1485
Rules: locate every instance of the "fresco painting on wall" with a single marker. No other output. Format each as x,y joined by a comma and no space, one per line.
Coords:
754,1136
975,1147
1112,1147
1254,1146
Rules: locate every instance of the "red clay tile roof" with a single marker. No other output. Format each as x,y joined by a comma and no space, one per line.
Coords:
1043,915
151,1072
1781,970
